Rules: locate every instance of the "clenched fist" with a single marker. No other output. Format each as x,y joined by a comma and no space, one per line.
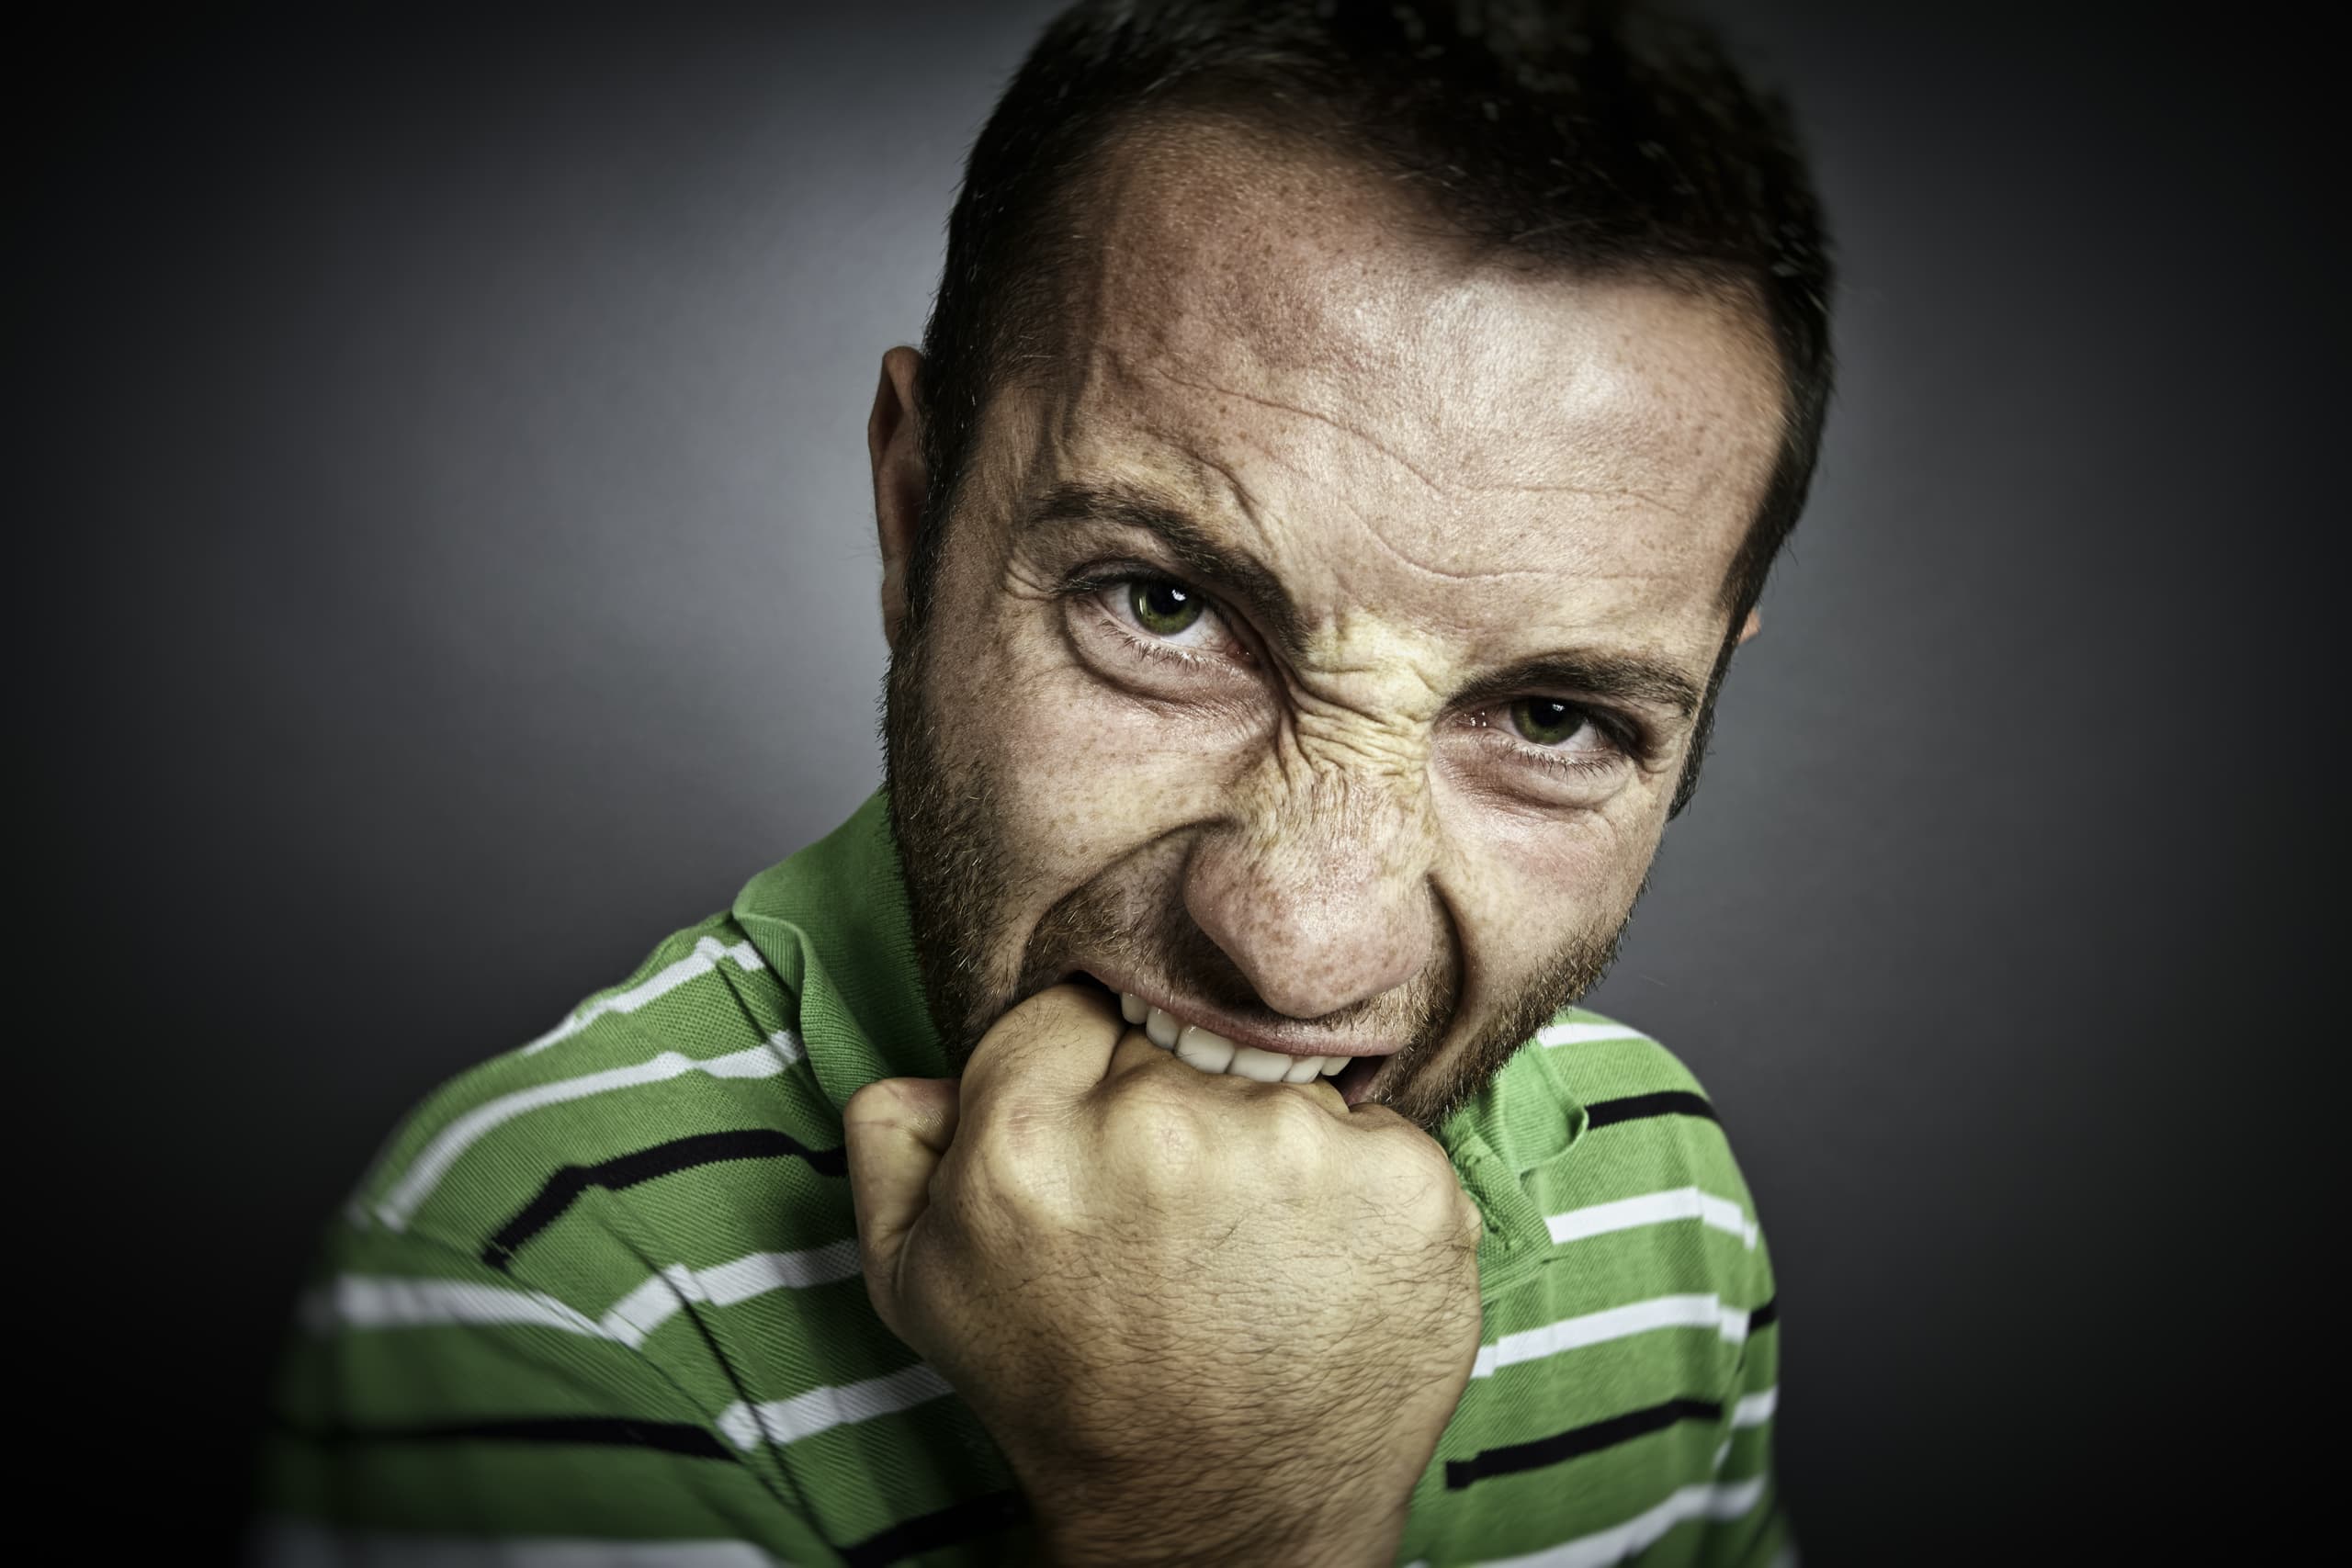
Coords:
1206,1318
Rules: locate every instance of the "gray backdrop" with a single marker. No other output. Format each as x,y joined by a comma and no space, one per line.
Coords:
444,565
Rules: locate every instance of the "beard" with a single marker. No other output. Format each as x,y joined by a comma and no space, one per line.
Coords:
965,881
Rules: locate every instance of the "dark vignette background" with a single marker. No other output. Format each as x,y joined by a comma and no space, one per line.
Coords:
444,566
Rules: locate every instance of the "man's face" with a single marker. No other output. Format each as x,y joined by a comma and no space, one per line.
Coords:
1319,634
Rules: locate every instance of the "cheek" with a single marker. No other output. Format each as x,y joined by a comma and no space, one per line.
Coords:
1086,773
1521,883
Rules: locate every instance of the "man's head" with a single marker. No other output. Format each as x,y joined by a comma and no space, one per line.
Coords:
1348,445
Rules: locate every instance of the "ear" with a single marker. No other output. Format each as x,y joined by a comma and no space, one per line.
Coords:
894,441
1755,623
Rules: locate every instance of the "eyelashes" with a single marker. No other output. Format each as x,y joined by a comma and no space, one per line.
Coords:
1582,762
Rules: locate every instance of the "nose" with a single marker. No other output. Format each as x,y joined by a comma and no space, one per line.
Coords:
1321,900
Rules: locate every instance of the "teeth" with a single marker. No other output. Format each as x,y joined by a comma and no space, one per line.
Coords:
1266,1067
1213,1052
1199,1048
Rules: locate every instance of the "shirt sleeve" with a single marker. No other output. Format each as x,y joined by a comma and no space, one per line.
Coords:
432,1412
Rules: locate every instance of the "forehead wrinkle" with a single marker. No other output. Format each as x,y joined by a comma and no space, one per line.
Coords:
1429,482
1250,505
1327,617
1135,376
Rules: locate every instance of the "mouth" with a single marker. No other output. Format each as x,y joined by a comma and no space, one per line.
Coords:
1206,1051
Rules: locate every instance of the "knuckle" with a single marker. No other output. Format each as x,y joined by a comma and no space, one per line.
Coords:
873,1104
1295,1135
1298,1112
1153,1118
1004,1170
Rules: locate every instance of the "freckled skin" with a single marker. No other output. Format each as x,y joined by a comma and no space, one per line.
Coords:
1452,461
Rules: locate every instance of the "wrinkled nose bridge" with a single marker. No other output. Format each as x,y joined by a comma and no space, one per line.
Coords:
1319,889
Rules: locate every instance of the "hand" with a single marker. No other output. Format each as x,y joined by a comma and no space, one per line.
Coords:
1205,1318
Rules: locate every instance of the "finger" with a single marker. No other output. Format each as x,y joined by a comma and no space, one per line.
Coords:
1134,1053
1319,1090
1055,1046
894,1131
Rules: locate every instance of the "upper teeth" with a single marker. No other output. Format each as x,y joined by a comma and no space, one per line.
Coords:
1213,1052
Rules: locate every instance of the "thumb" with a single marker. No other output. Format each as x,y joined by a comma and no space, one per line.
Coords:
895,1130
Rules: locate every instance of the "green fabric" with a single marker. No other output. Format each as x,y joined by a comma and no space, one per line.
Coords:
604,1289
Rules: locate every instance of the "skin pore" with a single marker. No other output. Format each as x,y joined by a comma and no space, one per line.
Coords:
1322,620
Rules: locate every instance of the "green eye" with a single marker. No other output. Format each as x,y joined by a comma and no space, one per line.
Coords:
1163,608
1545,721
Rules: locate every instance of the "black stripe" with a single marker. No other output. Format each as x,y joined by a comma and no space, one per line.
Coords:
1635,1107
600,1431
1577,1441
661,1159
1765,1317
926,1532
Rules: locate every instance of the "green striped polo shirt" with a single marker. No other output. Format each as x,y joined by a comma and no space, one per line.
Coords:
597,1303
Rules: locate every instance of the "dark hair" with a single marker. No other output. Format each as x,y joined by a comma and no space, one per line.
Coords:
1599,137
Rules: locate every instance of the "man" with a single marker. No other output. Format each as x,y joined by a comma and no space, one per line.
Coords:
1347,450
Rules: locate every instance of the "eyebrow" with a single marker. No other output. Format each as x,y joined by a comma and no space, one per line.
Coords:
1241,577
1235,573
1614,677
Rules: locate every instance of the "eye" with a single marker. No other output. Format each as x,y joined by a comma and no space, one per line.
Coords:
1559,749
1162,607
1547,721
1161,617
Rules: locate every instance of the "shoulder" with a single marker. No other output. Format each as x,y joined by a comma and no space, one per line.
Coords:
1645,1132
690,1067
648,1206
1602,1059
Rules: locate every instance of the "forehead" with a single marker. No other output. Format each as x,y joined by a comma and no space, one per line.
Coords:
1298,348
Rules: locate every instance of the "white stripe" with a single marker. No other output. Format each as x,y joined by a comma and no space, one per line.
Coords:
764,1061
1584,1033
1721,1502
364,1301
803,1415
661,983
287,1543
1654,1209
665,1295
1756,1408
1706,1312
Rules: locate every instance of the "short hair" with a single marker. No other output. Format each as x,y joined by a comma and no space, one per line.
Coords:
1603,137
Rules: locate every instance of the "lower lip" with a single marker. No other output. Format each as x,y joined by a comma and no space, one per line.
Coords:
1354,1080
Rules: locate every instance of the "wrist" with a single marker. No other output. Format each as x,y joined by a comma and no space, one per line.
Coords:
1233,1524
